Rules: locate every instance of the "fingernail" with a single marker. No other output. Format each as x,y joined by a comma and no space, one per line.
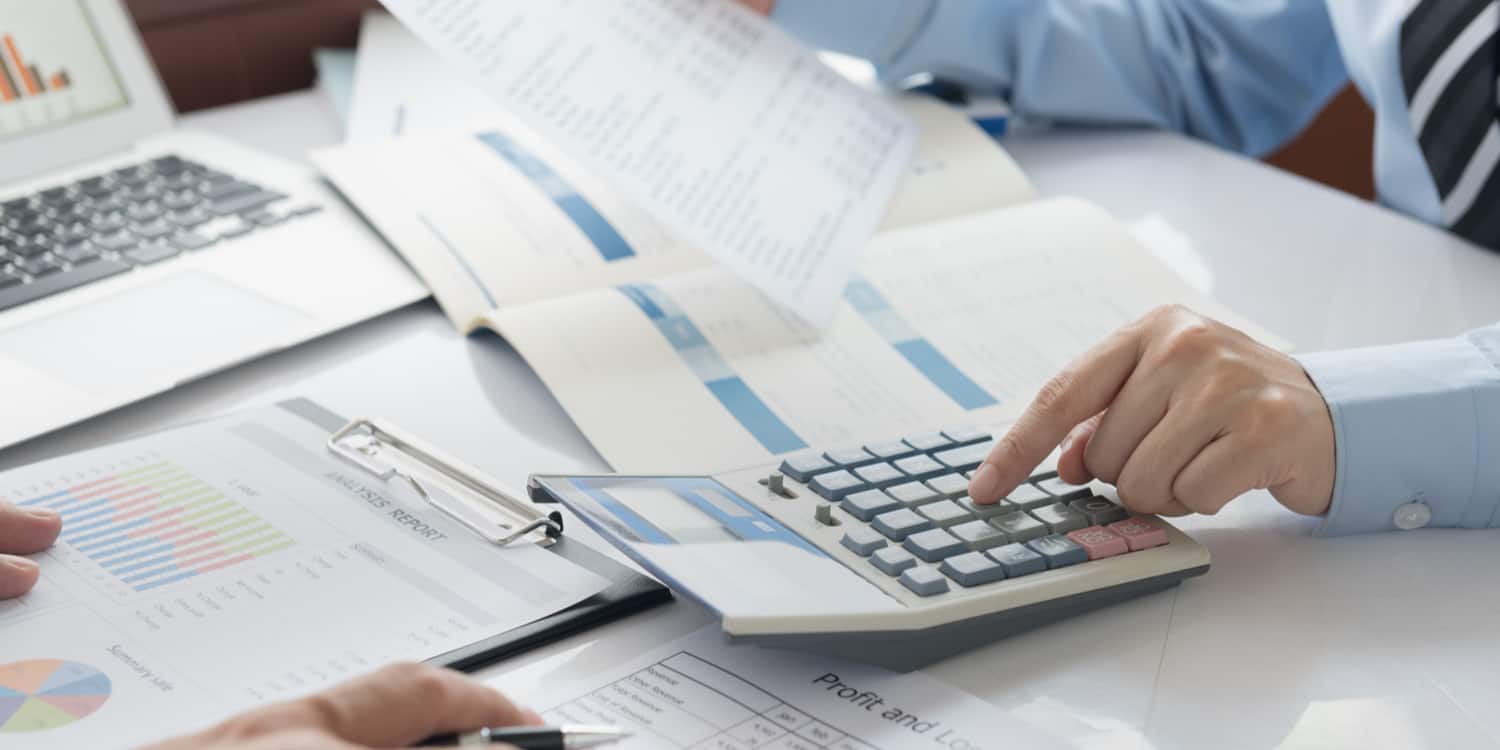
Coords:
985,482
18,564
43,514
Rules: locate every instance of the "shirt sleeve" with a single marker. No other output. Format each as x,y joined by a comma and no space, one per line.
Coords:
1416,424
1245,75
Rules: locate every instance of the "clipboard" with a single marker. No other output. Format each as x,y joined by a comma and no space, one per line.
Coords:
390,454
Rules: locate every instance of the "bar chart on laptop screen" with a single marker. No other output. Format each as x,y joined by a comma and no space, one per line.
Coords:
53,66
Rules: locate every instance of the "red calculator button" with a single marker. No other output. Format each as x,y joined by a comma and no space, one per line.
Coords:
1099,542
1140,533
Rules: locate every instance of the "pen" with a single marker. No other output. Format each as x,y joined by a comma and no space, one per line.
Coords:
574,737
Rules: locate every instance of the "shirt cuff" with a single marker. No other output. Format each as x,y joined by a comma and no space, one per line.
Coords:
1412,424
877,30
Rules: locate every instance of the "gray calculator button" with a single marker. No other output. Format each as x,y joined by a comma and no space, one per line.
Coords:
934,544
1062,518
978,535
897,525
892,560
1100,512
972,569
836,484
965,458
1018,560
868,504
985,510
951,484
890,450
1027,496
966,435
848,458
912,494
945,513
1061,490
802,468
1019,526
1059,551
928,441
863,540
920,467
880,475
924,581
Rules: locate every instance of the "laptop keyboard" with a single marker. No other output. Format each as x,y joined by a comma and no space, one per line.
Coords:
102,226
910,516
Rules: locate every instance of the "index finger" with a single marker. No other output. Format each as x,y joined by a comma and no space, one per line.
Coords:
1083,389
394,707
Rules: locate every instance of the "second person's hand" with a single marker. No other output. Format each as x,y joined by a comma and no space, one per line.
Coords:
1182,414
23,531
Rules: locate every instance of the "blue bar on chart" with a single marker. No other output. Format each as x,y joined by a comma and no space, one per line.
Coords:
610,244
917,350
710,366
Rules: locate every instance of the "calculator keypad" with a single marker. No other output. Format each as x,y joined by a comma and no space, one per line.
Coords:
924,529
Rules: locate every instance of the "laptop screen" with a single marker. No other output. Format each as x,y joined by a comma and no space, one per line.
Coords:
54,69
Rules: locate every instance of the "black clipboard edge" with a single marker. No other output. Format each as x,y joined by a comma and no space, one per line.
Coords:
629,592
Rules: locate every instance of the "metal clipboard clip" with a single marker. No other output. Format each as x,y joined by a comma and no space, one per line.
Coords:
370,445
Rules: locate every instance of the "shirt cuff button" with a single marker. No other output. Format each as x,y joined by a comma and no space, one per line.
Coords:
1412,516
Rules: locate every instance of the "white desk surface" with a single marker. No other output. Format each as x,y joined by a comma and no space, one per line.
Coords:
1289,640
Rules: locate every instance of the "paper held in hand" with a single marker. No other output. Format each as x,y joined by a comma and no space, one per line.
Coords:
718,124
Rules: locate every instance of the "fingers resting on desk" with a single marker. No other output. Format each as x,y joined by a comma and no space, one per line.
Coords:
23,531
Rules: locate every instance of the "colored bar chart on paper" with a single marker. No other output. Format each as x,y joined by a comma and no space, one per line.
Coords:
158,524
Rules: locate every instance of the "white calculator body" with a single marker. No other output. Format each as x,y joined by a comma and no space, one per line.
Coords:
876,553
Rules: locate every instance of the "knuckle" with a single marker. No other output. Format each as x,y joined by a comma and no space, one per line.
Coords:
1052,398
1007,446
1098,464
1195,339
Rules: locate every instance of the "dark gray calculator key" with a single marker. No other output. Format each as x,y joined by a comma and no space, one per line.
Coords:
951,484
924,581
944,513
835,485
802,468
868,504
848,458
1028,496
1100,512
890,450
1019,526
985,510
933,545
928,441
965,458
1059,551
1018,560
1061,490
880,475
899,524
978,535
912,494
892,560
241,203
153,253
919,466
862,540
972,569
1062,518
966,435
59,282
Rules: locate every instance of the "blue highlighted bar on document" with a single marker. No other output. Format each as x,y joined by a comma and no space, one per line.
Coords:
917,350
605,237
710,367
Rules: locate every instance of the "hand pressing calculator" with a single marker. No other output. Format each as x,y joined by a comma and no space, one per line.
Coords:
876,552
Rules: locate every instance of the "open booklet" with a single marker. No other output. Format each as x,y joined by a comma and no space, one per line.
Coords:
970,296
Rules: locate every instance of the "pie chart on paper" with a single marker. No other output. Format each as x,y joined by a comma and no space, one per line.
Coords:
44,694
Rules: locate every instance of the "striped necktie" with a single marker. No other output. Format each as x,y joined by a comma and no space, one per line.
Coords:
1449,65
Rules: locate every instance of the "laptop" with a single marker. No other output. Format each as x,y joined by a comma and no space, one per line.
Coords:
133,256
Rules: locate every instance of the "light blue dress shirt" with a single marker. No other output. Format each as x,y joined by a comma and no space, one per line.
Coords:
1414,423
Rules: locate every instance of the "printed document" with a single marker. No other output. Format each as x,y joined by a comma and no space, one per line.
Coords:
234,562
715,122
701,692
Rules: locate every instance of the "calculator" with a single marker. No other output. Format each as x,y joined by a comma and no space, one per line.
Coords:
876,553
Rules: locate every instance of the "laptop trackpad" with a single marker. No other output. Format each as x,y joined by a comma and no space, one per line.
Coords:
156,334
